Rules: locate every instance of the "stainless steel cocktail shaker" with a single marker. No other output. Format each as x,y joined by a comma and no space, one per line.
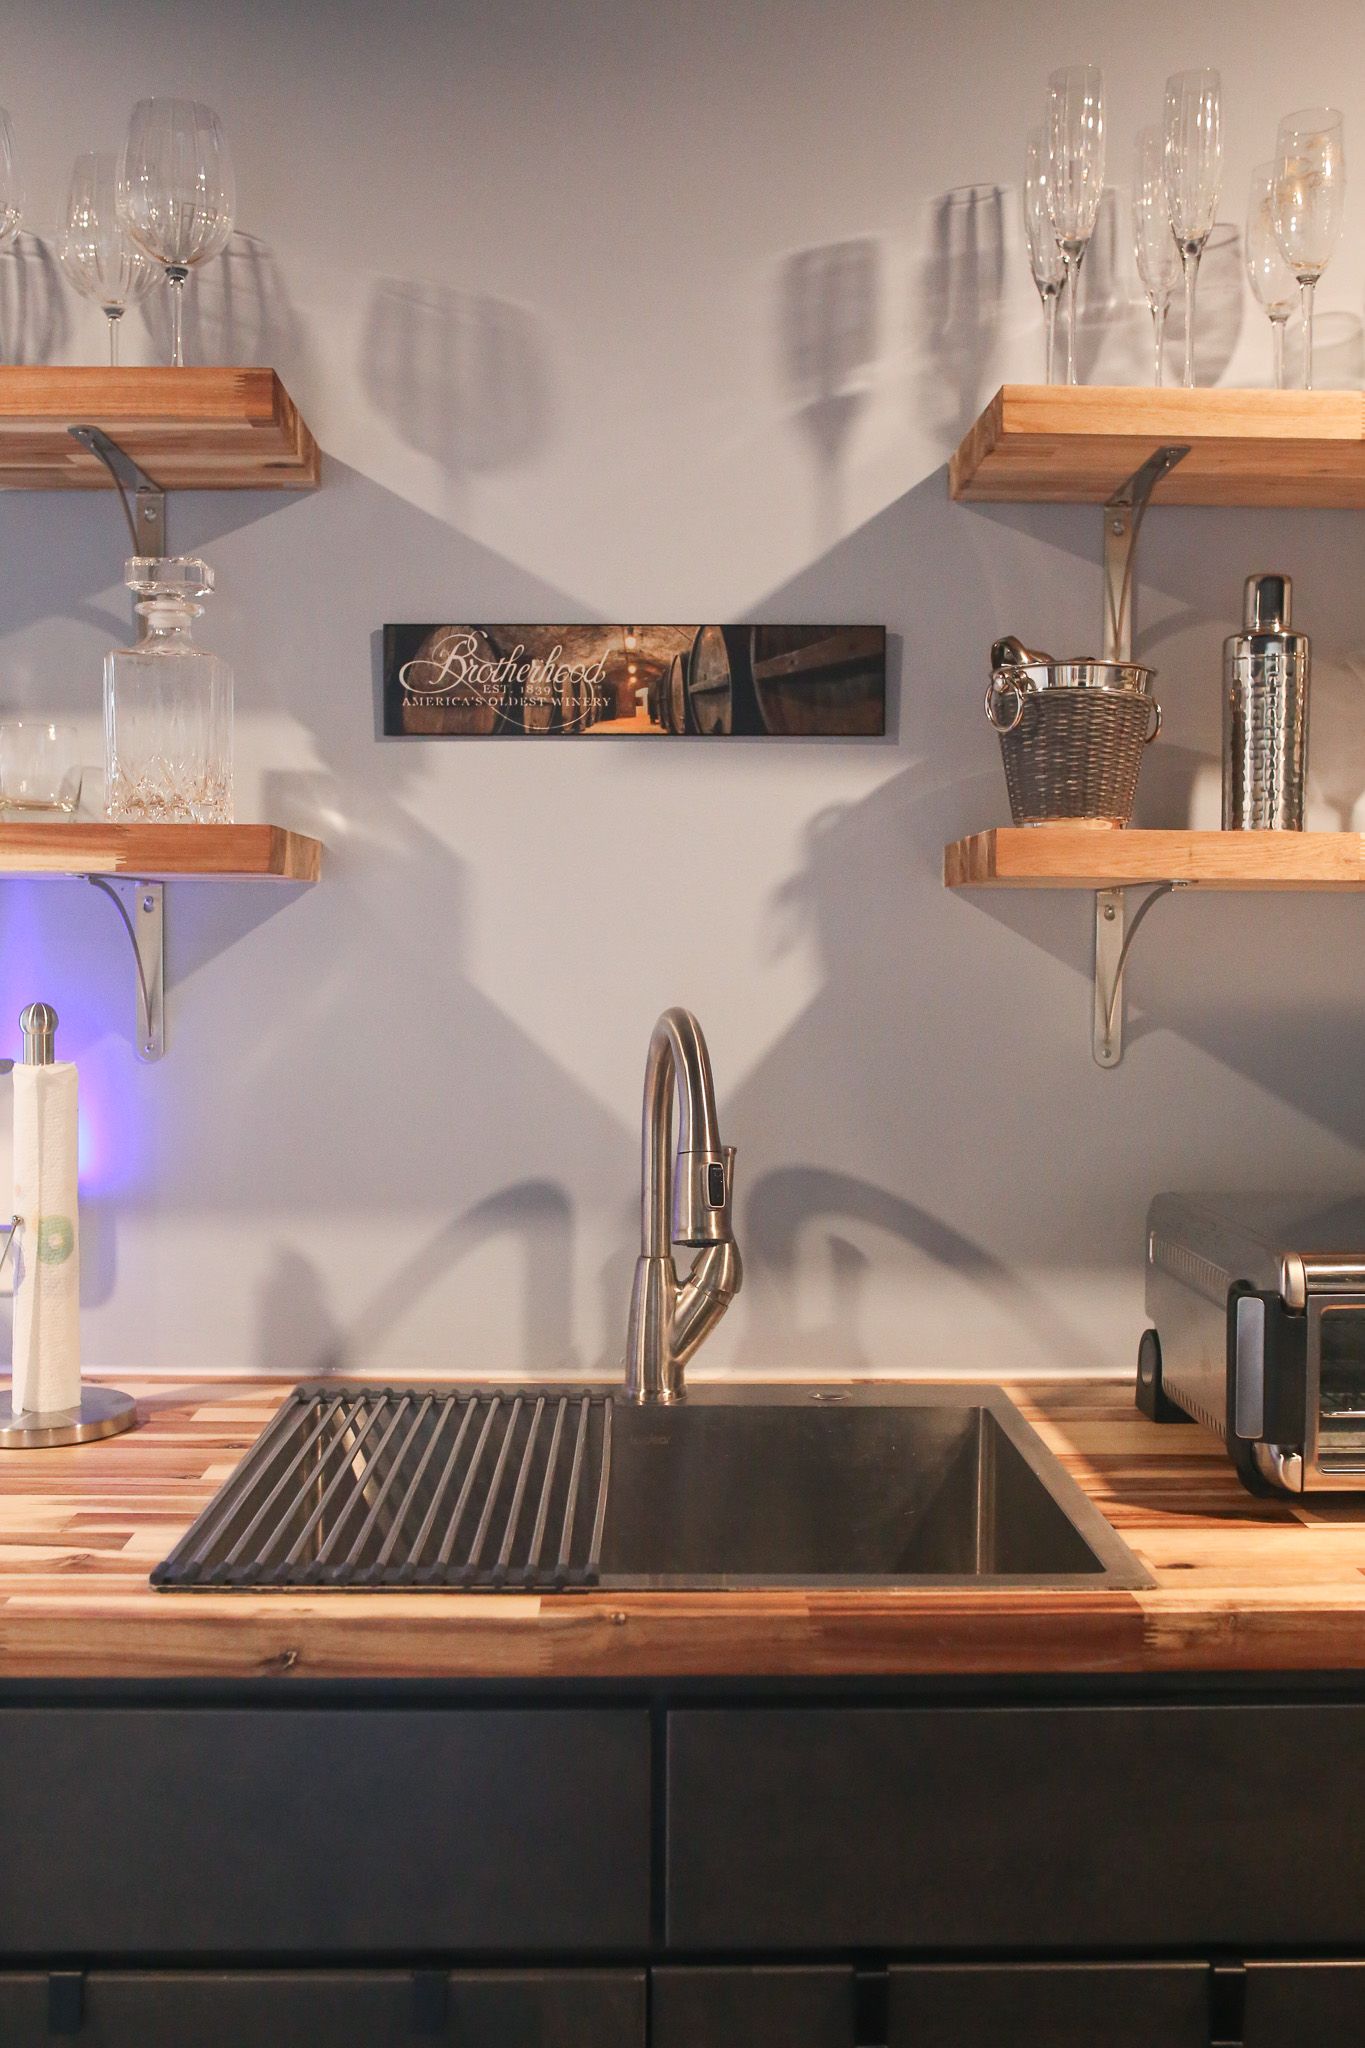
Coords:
1265,714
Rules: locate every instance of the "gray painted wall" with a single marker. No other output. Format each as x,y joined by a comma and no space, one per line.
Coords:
555,284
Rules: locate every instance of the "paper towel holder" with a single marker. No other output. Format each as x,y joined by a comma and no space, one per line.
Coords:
101,1411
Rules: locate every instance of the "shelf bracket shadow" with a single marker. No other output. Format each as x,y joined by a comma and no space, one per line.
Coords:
1122,519
141,905
143,500
1114,935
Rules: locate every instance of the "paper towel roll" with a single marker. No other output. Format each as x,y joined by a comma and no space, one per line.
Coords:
47,1278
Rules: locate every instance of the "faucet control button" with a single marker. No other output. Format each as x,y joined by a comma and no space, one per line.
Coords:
715,1186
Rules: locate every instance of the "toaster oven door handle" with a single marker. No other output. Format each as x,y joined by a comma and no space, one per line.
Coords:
1248,1405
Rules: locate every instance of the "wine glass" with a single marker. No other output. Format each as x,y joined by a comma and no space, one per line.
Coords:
11,192
1194,175
1272,281
95,249
1310,190
1044,254
1075,135
1158,259
176,193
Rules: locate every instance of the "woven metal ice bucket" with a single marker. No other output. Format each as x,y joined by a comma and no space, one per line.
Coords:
1072,734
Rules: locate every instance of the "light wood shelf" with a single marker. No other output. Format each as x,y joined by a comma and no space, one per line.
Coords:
157,853
195,429
1080,857
1043,443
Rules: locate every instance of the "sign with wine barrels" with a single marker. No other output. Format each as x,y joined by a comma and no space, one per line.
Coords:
601,681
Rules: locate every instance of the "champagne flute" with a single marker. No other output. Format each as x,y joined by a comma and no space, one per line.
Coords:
175,193
1194,175
1044,255
1158,259
1310,190
1272,281
96,252
11,192
1075,134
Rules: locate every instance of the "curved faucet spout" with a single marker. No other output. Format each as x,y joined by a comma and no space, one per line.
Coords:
667,1323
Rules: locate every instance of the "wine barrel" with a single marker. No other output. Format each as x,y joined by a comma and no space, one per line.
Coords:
539,705
720,690
463,708
673,697
820,679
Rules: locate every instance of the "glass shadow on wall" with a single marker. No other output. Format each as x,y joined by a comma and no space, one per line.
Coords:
583,681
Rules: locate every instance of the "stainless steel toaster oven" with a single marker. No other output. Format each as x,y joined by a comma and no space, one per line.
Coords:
1257,1312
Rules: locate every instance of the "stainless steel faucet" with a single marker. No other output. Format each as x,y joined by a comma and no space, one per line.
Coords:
669,1319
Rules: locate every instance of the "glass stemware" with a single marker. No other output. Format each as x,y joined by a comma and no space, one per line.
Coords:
1194,176
1075,136
1158,259
1044,254
1273,283
96,252
1309,192
175,193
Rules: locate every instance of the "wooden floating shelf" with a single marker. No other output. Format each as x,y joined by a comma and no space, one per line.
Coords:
156,853
190,430
1079,857
1045,443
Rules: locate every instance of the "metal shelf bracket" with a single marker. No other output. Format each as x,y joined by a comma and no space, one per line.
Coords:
1122,519
1114,935
141,905
145,508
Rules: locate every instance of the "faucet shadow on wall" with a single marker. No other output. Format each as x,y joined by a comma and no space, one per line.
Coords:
297,1332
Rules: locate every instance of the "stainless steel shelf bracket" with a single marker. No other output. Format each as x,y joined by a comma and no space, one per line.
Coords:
1114,935
143,500
141,905
1122,517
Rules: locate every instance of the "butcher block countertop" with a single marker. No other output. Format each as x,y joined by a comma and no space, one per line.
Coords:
1242,1585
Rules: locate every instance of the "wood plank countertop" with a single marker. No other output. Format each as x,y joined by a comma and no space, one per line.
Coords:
1242,1585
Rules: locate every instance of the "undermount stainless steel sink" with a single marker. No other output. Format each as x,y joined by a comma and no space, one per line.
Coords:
502,1487
869,1485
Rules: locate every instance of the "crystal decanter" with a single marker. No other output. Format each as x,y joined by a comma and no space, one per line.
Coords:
168,706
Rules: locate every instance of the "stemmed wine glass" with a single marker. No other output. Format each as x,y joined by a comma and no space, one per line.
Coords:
1044,254
1309,192
1272,281
96,252
11,192
1075,135
1158,259
176,193
1194,175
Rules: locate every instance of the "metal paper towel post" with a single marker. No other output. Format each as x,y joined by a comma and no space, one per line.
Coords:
101,1411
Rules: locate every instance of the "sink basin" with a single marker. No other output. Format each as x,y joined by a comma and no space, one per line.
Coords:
870,1485
876,1485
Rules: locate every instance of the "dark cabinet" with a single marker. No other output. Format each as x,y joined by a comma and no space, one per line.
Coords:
734,2007
1049,1829
1304,2005
269,1832
326,2009
1048,2005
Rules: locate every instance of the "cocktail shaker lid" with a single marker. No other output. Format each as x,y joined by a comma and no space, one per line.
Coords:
1266,603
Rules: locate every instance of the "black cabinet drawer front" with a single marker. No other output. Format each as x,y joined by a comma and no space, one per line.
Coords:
321,1831
1304,2005
334,2009
1051,1828
735,2007
1097,2005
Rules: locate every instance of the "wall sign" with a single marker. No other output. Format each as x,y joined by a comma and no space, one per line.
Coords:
660,681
